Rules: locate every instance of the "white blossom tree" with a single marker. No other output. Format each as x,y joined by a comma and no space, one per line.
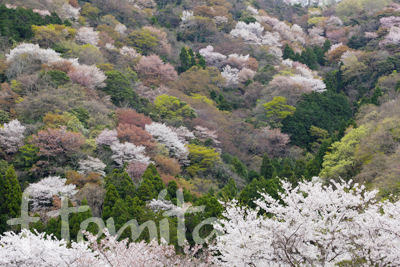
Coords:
91,165
166,136
42,192
12,136
128,152
312,225
231,75
212,58
27,249
107,137
87,35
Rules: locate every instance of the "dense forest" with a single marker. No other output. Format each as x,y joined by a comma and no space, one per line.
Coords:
199,133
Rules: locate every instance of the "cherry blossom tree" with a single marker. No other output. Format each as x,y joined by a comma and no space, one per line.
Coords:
389,22
111,252
128,152
12,136
392,38
91,165
129,52
166,136
107,137
33,249
212,58
252,33
57,142
70,11
135,171
120,28
246,74
371,35
220,20
231,75
42,192
318,225
87,35
87,76
153,71
203,133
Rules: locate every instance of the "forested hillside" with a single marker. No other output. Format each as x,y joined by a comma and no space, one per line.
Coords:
275,122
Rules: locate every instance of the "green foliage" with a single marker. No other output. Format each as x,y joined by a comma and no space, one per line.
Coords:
170,107
26,157
248,20
327,45
223,104
324,110
10,197
252,191
58,77
308,57
266,169
340,163
201,158
144,41
152,176
122,183
240,168
4,117
17,23
109,201
185,60
288,52
120,90
278,108
230,190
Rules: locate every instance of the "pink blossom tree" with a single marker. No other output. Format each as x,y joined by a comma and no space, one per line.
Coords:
153,71
107,137
87,76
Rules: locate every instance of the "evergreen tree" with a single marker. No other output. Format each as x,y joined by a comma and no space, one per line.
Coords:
327,46
288,52
192,57
308,57
122,183
312,169
153,177
342,129
185,61
230,189
323,148
10,197
223,104
240,168
121,215
77,218
253,175
376,95
266,169
172,188
299,168
109,201
287,172
202,61
319,53
146,191
297,57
